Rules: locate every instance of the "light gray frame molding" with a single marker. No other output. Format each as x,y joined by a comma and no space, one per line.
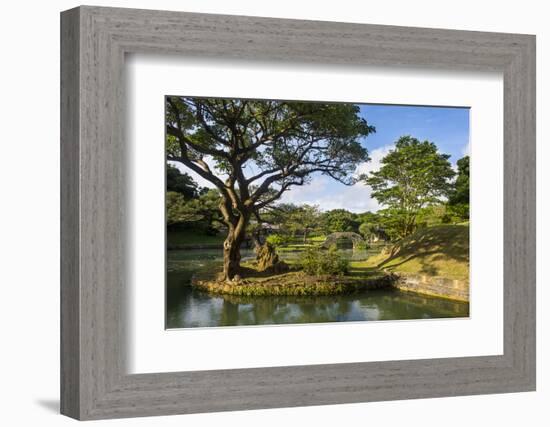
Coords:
94,41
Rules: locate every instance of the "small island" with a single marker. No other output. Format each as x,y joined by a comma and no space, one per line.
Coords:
241,242
425,263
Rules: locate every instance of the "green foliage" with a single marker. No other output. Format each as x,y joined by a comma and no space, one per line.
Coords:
433,215
368,217
367,230
208,203
290,138
460,194
457,213
413,175
202,211
371,226
181,183
360,246
459,199
179,210
339,220
317,262
394,221
303,219
277,240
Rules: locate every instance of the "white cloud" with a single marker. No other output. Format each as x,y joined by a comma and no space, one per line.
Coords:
323,191
308,193
328,194
466,149
355,198
376,156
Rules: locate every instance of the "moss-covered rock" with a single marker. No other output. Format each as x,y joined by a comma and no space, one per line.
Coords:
267,260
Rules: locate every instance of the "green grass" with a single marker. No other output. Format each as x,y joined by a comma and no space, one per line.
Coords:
293,248
434,251
297,244
191,237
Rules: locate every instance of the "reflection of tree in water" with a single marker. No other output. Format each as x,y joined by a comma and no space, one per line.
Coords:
229,313
199,309
407,305
283,309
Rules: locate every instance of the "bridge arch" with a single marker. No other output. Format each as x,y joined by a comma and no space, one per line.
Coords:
332,238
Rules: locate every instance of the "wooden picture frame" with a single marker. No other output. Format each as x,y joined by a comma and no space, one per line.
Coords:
94,382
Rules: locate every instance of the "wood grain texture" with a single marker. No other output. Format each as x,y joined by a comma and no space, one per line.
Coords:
70,315
94,236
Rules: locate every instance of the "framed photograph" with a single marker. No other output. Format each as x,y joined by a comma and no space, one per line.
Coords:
261,213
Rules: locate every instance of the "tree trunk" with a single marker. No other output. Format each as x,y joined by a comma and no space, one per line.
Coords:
232,247
232,255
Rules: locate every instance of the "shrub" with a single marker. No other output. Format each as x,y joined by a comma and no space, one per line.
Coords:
361,246
318,262
277,240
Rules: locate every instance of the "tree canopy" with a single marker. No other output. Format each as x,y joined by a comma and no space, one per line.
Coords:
412,176
339,220
202,208
460,194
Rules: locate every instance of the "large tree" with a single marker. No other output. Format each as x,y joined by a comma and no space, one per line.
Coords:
254,151
412,176
460,194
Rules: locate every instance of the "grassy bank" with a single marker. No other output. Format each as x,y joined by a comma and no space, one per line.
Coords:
440,251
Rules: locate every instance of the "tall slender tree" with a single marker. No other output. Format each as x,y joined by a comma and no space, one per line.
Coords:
413,176
249,149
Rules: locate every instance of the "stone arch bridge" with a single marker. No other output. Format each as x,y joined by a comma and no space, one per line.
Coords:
331,239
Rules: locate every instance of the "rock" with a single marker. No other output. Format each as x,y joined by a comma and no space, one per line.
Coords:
266,257
267,260
280,267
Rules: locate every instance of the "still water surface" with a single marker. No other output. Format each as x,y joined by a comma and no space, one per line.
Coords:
189,308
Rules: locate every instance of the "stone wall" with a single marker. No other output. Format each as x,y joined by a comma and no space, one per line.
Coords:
435,286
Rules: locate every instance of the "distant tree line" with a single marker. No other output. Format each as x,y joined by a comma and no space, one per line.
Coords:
189,205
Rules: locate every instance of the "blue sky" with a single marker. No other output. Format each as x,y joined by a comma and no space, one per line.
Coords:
447,127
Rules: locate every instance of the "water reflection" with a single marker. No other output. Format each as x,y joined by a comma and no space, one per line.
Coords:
188,308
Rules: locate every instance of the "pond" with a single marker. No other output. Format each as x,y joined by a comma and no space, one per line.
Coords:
189,308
